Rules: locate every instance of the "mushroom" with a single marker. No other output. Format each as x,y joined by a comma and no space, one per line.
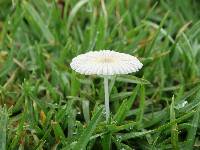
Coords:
105,63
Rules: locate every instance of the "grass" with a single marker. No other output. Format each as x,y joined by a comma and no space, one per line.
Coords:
45,105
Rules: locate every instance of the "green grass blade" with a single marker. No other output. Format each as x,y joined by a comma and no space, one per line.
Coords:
106,141
120,96
7,65
3,127
35,19
85,136
75,84
59,134
140,114
120,145
192,131
132,79
157,33
74,11
19,132
86,110
174,128
125,106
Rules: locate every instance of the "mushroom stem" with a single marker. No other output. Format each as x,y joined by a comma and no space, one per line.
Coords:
106,98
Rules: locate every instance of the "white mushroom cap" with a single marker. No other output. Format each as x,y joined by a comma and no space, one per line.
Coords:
105,62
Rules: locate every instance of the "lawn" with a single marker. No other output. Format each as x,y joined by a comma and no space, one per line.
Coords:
46,105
